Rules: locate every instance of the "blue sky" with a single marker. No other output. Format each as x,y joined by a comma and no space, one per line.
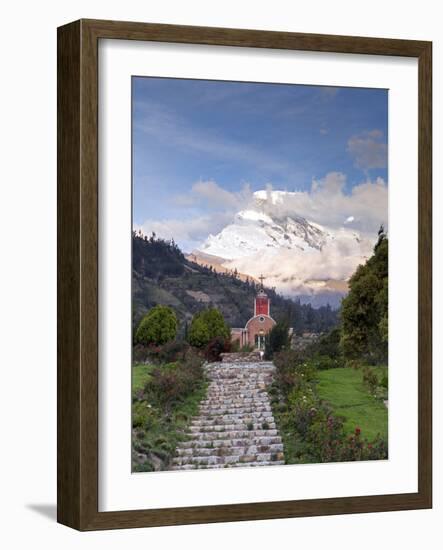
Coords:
237,137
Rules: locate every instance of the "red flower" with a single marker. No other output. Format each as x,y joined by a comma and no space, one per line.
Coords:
357,431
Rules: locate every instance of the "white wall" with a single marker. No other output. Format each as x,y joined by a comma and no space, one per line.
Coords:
28,272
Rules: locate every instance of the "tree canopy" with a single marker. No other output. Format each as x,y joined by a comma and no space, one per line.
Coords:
277,339
157,327
364,312
207,325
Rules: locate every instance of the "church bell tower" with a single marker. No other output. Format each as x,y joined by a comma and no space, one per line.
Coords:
262,302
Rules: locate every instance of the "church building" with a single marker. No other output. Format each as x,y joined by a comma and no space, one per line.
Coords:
259,325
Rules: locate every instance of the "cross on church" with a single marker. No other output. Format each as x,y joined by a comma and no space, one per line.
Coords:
262,279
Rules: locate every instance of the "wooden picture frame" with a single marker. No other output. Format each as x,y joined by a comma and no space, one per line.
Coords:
78,274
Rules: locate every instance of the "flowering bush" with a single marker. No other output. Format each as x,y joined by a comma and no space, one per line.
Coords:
171,383
304,411
356,448
293,372
326,436
169,353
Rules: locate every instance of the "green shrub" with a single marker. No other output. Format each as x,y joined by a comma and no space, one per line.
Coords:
171,383
325,362
292,375
277,339
357,448
140,353
370,379
157,327
142,415
328,345
170,352
353,364
207,325
198,334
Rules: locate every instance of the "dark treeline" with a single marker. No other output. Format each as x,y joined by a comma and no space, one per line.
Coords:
153,257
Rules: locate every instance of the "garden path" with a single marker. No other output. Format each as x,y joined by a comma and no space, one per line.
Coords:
235,425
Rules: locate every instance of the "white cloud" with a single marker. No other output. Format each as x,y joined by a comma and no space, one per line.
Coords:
208,208
295,272
215,207
326,203
188,233
368,149
214,196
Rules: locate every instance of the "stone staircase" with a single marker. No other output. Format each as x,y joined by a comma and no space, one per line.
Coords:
235,426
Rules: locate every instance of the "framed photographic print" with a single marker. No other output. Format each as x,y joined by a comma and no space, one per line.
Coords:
244,275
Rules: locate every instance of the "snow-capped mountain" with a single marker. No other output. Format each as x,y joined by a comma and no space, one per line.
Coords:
297,256
254,231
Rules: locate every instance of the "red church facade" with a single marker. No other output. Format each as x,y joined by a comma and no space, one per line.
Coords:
258,326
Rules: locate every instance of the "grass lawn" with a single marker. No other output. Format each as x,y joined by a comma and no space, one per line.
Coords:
140,375
343,388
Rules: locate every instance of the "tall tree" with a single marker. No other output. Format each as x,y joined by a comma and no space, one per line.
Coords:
157,327
364,312
207,325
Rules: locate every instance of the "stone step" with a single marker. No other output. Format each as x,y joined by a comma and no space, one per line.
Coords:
228,459
235,410
236,393
233,434
229,450
239,442
209,420
264,463
253,426
225,385
219,466
235,426
252,401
